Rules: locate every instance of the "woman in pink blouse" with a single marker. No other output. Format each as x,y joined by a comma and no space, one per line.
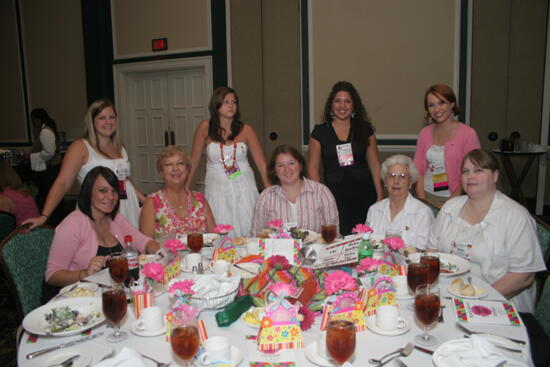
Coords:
441,146
292,197
85,238
174,208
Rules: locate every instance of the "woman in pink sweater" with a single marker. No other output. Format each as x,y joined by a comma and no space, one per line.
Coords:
84,240
441,146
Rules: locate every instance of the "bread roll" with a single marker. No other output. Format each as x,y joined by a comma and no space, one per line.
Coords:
468,290
457,284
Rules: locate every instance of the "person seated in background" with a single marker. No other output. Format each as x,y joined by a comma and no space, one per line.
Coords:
494,233
174,208
292,197
84,240
400,211
13,198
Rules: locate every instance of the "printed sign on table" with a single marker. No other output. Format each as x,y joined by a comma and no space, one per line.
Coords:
288,248
337,253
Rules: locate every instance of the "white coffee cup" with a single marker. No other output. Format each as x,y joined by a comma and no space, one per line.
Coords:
387,318
322,345
401,287
220,267
252,246
191,260
216,348
150,319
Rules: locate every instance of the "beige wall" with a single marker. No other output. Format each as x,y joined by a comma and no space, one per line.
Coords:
390,50
55,61
136,23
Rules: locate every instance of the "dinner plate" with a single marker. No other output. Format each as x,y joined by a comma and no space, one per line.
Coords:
136,331
404,297
462,266
371,325
82,289
311,237
253,267
480,293
207,238
85,358
35,323
313,355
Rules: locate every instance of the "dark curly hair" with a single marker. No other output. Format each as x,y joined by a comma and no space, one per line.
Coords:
285,149
214,128
361,114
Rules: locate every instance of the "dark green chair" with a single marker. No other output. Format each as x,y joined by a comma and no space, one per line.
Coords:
7,224
542,312
24,257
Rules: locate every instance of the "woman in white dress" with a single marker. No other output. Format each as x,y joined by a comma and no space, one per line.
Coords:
400,210
100,146
230,186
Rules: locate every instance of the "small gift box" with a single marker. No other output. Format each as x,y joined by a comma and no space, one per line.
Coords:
381,293
142,297
172,270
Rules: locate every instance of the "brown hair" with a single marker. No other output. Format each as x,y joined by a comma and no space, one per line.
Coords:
441,91
171,151
216,102
285,149
90,134
8,176
482,159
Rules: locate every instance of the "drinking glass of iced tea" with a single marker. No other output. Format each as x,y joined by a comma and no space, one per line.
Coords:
328,232
184,339
426,309
195,242
340,340
118,267
417,274
432,260
114,308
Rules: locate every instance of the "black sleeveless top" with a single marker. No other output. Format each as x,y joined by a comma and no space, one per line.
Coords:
106,251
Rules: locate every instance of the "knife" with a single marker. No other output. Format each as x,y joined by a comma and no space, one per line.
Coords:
61,346
399,362
470,332
66,363
422,349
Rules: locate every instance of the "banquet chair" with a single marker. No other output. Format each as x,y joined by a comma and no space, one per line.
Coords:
542,312
7,224
433,206
24,256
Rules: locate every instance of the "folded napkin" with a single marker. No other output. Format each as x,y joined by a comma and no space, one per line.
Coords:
125,358
213,285
37,164
476,351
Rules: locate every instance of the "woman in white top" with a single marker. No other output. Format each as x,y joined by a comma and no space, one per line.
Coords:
230,186
100,146
400,210
497,235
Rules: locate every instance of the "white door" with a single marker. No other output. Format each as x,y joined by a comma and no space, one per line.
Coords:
163,108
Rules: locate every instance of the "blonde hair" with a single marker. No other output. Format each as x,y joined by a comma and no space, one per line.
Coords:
171,151
8,176
91,135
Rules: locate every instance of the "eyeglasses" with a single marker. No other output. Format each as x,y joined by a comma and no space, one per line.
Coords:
399,176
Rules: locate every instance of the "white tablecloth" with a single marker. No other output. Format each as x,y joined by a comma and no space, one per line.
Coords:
369,344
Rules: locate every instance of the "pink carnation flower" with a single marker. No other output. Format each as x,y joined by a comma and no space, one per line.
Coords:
174,245
394,243
308,317
361,228
183,286
368,264
282,289
154,271
339,281
275,224
278,262
282,235
223,228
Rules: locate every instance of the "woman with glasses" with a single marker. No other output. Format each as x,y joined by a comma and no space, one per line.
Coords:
400,211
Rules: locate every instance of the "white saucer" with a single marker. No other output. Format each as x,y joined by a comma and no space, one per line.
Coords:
61,356
135,330
236,358
314,357
403,298
371,325
480,293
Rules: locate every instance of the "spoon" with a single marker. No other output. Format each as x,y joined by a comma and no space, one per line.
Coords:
405,351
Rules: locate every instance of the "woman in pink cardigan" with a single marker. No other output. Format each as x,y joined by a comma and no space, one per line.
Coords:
441,146
85,239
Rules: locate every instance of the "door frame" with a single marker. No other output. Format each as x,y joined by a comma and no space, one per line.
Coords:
122,71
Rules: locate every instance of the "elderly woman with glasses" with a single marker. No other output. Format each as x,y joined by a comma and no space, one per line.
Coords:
400,211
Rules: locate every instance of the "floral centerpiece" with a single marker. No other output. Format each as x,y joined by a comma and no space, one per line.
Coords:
395,253
181,290
367,270
172,265
153,275
277,225
224,248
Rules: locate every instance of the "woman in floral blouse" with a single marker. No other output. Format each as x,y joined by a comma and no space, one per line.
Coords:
174,209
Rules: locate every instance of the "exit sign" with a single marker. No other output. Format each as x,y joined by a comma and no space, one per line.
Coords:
160,44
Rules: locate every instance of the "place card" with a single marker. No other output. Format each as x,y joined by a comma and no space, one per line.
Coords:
280,246
485,312
280,358
337,253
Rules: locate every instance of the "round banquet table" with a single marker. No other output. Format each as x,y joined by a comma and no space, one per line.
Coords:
369,344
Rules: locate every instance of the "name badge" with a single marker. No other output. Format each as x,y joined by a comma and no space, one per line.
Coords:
439,177
462,249
345,154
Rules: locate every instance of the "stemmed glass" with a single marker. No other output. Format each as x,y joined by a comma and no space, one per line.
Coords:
432,260
118,267
426,309
114,307
417,274
184,338
340,340
195,242
328,232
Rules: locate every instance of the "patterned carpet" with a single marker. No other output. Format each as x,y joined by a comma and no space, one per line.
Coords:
8,326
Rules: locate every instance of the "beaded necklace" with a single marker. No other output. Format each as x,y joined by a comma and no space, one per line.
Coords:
232,170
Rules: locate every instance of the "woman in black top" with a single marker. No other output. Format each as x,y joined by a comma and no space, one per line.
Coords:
346,144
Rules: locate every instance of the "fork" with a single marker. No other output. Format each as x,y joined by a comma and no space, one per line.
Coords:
159,364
